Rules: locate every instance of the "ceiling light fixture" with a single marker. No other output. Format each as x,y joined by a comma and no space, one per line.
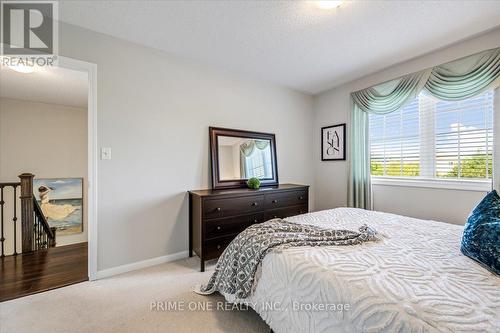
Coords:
328,4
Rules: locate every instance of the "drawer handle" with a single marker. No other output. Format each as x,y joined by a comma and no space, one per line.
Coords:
275,216
218,247
218,209
255,221
275,201
255,203
218,227
301,198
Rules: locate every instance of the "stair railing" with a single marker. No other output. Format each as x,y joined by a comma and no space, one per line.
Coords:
36,234
44,235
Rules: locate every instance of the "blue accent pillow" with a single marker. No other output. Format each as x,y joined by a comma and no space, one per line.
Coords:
481,239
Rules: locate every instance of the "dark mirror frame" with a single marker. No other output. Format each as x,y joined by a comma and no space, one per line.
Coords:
217,183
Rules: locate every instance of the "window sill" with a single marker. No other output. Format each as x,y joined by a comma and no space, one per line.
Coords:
448,184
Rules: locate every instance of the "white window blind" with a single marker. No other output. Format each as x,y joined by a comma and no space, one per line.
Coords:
259,164
430,138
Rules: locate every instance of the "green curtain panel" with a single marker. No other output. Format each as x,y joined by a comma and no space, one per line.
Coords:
359,189
246,149
456,80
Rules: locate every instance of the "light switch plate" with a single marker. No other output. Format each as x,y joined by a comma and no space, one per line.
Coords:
105,153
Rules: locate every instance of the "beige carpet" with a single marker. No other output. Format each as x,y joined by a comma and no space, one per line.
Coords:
123,304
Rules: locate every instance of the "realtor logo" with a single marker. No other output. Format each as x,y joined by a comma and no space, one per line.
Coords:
29,28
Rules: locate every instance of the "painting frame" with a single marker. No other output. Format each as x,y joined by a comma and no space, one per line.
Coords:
341,144
37,182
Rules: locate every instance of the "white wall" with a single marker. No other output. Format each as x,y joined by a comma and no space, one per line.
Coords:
226,162
154,111
236,160
47,140
333,107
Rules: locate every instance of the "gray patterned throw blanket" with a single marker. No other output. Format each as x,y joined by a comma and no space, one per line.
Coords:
235,270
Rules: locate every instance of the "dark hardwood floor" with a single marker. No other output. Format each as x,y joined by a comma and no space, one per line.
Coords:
31,273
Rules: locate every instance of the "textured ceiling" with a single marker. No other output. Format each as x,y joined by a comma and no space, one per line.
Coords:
291,43
54,85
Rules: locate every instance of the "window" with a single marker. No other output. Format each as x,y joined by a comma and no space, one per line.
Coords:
434,139
259,164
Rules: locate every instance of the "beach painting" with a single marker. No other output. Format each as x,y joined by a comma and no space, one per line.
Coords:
61,200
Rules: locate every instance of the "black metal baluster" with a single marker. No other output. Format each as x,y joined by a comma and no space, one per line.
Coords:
34,231
2,238
37,236
35,228
40,233
14,219
41,236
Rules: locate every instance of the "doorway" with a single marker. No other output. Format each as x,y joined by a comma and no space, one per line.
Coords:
47,116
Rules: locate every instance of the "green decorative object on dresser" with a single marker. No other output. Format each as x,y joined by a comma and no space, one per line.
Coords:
253,183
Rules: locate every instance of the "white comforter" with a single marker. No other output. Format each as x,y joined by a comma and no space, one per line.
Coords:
414,280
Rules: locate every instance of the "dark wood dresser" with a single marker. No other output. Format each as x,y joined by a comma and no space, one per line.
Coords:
217,216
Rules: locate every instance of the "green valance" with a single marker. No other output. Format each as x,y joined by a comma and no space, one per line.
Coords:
466,77
402,91
456,80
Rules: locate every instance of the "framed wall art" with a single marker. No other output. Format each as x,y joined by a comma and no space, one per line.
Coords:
61,201
333,143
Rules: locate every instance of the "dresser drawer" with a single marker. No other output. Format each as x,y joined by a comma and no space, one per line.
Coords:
215,247
285,212
230,225
284,199
232,206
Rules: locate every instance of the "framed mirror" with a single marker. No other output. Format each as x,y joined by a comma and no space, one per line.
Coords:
239,155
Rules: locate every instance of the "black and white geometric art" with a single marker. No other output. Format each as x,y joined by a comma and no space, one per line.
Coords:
333,143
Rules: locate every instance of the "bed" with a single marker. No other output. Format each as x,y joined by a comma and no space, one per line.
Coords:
414,279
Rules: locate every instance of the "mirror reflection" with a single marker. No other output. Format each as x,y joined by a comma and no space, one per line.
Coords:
243,158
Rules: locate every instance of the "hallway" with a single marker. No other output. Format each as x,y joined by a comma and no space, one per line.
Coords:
31,273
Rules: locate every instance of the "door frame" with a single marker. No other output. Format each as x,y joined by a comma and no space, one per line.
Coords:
91,70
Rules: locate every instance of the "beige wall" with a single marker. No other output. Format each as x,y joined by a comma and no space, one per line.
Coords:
47,140
154,111
334,107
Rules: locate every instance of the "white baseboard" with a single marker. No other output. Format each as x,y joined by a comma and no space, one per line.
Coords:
140,264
